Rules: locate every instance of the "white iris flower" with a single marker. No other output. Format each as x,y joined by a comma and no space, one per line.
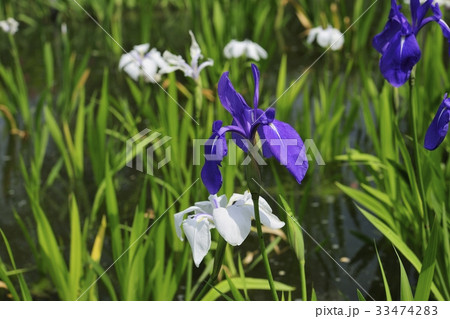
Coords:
9,25
250,49
140,62
326,37
232,220
176,62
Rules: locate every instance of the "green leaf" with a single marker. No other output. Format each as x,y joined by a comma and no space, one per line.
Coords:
76,250
429,262
313,295
295,237
394,238
250,283
369,202
242,276
113,222
104,278
57,136
360,295
48,62
52,258
385,282
400,245
4,276
23,286
405,288
235,292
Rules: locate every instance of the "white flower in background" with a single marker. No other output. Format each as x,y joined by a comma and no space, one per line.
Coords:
232,220
445,3
176,62
9,25
140,62
326,37
252,50
64,28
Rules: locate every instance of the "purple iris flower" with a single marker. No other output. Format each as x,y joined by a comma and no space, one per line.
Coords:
397,43
439,126
278,139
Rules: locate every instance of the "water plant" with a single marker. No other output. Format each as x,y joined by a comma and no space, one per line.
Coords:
82,220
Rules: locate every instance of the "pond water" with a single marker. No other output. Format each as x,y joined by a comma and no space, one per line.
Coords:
339,241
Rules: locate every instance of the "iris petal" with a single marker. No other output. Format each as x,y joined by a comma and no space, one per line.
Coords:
418,12
211,177
397,42
284,143
240,141
215,150
445,31
399,58
203,65
218,201
246,122
381,40
439,126
256,76
437,16
199,237
262,118
268,219
231,100
414,5
179,219
195,51
233,223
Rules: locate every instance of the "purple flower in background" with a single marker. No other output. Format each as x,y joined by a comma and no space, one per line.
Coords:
278,139
397,43
437,16
439,126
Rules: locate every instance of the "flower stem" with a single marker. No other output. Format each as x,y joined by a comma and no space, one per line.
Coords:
303,279
262,246
198,98
253,176
413,114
